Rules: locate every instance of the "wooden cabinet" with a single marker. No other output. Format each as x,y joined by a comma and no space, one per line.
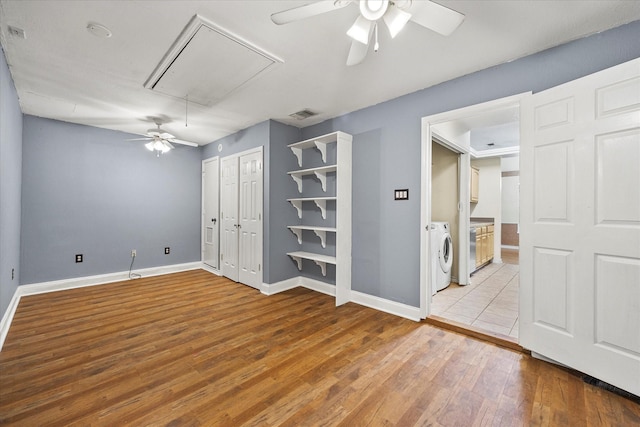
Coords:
484,245
475,184
490,242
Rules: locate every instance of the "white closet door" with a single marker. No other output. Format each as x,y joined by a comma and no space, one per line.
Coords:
229,214
580,225
250,229
210,212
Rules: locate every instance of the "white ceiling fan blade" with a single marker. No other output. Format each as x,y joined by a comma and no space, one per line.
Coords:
307,11
168,144
395,19
179,141
140,139
435,17
361,30
357,53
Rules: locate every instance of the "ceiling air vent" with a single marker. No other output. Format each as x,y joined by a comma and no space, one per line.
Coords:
303,114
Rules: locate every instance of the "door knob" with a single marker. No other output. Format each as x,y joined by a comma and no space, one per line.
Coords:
213,220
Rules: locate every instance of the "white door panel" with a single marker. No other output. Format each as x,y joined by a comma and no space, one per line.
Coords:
250,255
210,212
229,213
242,177
580,233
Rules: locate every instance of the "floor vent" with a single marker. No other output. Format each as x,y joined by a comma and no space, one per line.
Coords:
613,389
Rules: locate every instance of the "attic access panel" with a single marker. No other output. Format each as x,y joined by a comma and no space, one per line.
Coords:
207,63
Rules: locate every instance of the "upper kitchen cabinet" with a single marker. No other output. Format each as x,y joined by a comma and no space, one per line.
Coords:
475,184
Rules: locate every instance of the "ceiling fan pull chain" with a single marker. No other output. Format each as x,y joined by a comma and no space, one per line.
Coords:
376,45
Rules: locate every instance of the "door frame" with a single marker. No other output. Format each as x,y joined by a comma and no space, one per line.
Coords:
202,225
427,136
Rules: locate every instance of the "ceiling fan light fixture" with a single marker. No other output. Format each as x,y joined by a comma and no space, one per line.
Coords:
373,9
396,19
360,30
158,145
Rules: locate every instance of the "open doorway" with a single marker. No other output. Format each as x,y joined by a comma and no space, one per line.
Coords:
471,179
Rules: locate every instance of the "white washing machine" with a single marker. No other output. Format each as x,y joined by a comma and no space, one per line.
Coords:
441,256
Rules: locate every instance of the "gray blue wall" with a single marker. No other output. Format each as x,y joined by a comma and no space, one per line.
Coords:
10,186
386,152
88,190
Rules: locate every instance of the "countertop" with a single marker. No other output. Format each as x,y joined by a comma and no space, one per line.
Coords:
480,224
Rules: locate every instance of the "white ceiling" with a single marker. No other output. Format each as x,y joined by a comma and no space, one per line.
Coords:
62,71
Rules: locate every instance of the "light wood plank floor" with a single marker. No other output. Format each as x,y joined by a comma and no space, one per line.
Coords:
195,349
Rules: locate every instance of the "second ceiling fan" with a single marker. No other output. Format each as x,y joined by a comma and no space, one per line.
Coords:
395,15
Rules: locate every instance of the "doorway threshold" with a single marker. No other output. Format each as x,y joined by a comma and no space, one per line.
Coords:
478,333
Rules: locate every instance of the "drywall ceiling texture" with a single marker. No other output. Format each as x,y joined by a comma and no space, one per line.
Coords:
64,72
10,186
387,144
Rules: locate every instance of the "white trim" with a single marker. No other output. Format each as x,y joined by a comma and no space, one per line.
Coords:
208,268
497,152
202,212
388,306
81,282
285,285
510,247
8,316
318,286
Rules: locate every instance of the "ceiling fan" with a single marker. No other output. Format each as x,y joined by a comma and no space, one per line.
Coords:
394,13
160,140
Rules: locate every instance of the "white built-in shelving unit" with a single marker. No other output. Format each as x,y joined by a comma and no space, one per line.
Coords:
321,203
342,228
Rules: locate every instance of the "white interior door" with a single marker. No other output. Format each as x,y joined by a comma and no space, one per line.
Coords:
250,228
210,212
229,215
580,225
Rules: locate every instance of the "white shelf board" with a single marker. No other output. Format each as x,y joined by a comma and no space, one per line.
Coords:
319,142
321,203
321,232
320,172
320,260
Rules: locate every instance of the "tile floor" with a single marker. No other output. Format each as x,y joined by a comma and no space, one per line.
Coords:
490,302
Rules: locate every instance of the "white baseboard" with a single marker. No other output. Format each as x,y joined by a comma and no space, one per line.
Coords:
299,281
8,316
509,247
285,285
388,306
318,286
377,303
80,282
210,269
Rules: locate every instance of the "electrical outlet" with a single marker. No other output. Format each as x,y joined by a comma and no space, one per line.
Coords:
167,251
133,253
78,257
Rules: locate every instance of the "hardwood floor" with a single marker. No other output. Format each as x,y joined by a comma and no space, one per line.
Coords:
195,349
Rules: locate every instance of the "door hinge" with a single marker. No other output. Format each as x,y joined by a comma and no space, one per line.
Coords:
221,257
259,267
